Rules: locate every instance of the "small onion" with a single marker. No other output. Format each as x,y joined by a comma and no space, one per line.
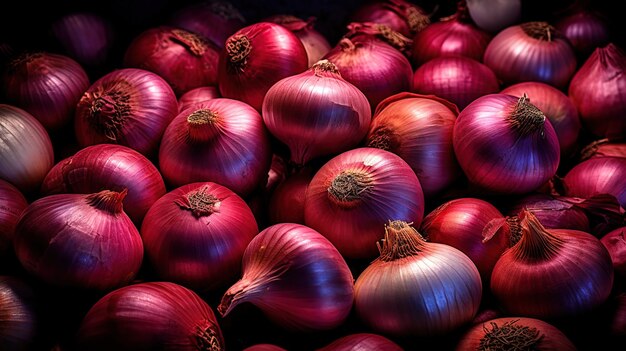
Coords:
531,51
362,342
83,241
355,193
128,106
315,44
150,316
399,15
457,79
195,235
196,95
601,175
173,53
26,152
12,204
220,140
296,277
515,333
598,89
603,148
615,243
415,287
495,15
585,30
316,113
557,107
19,319
255,58
286,203
552,273
505,144
418,128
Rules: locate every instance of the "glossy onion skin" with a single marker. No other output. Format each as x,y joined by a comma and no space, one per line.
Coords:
400,15
552,211
315,43
615,242
362,342
586,31
196,95
600,175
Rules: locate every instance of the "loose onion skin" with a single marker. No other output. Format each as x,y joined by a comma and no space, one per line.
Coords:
12,204
402,16
615,243
531,51
600,175
196,95
19,317
362,342
296,277
315,44
150,316
195,235
355,193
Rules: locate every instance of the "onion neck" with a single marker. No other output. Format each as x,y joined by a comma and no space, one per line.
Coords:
401,240
204,125
526,118
349,187
325,68
109,110
207,339
539,30
200,202
190,41
510,336
238,48
416,19
536,243
612,59
515,229
107,200
383,138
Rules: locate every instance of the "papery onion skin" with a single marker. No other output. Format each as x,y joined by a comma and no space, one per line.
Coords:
172,53
255,58
552,273
417,288
150,316
362,342
557,107
19,318
12,204
79,241
531,51
355,193
108,166
196,95
598,90
600,175
505,144
400,15
316,113
418,128
296,277
220,140
457,79
315,43
586,31
615,243
603,148
26,154
47,85
510,333
195,235
495,15
555,212
127,106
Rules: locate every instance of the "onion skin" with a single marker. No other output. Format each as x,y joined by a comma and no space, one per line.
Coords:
603,148
12,204
353,195
585,30
264,347
554,212
402,16
19,319
195,235
494,16
315,44
598,89
196,95
615,243
150,316
510,333
296,277
362,342
286,202
600,175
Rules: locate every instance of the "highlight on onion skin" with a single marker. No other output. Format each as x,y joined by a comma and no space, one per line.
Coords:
20,319
586,30
494,16
363,342
615,243
315,44
600,175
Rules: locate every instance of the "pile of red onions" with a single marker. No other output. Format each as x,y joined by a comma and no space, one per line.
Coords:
600,175
12,203
19,314
586,30
400,15
315,44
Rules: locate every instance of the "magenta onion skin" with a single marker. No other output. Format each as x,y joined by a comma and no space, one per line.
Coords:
19,314
12,204
557,107
220,140
128,106
47,85
286,201
603,148
264,347
600,175
362,342
585,30
615,243
355,193
150,316
195,235
296,277
555,212
108,166
531,51
315,43
598,89
196,95
457,79
402,16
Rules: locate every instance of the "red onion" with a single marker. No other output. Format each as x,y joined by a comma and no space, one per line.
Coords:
473,226
220,140
603,148
12,204
505,145
418,128
615,243
286,203
256,57
558,108
554,212
400,15
415,287
362,342
108,166
316,113
195,235
214,20
552,273
495,15
264,347
128,106
458,79
46,85
174,53
585,30
296,277
598,90
376,68
26,154
515,333
601,175
531,51
353,195
150,316
196,95
19,320
380,32
83,241
450,36
315,44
